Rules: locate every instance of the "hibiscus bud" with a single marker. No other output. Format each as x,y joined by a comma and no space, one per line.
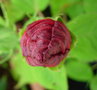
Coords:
45,43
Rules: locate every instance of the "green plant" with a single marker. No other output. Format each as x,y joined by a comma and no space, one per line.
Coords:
82,23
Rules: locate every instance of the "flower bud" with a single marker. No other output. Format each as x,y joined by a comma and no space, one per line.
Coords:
45,43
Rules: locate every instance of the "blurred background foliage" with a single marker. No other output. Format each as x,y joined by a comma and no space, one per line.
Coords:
80,16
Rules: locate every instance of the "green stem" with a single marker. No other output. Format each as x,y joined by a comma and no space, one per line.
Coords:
5,13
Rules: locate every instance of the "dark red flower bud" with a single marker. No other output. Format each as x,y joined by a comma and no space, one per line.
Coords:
45,43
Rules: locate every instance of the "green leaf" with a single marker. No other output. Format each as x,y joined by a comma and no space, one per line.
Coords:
74,8
71,7
30,6
79,71
90,6
56,6
11,12
46,77
93,83
8,39
84,28
3,83
5,56
2,22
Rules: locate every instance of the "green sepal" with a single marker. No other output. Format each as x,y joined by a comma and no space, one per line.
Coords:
58,67
59,18
74,40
